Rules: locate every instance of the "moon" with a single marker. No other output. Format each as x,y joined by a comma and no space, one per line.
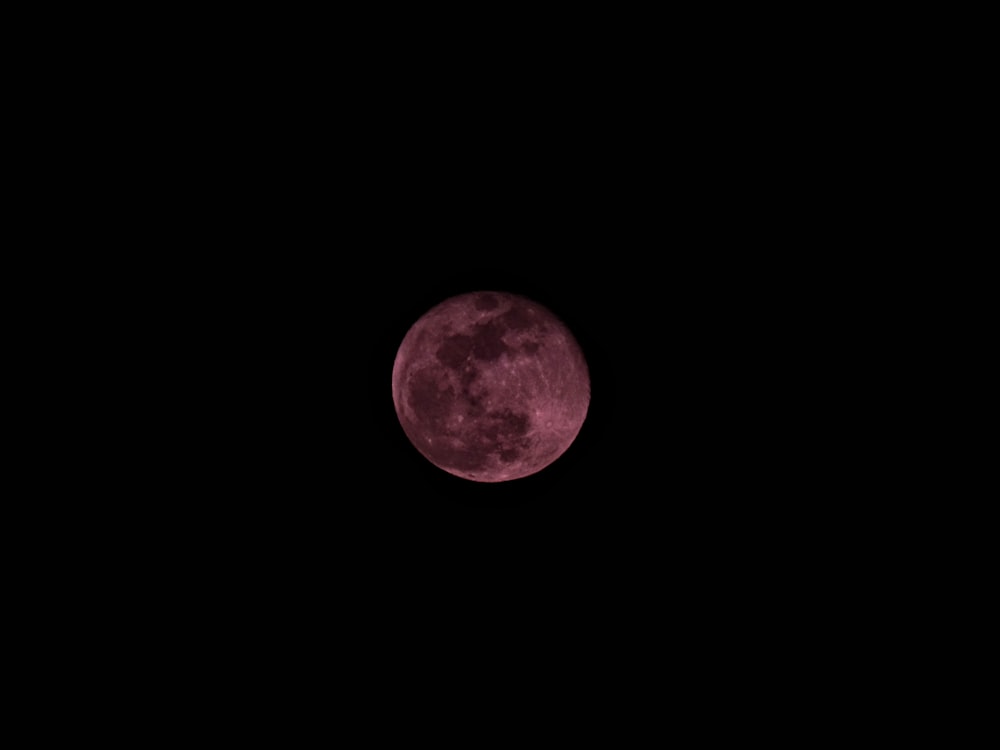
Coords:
490,386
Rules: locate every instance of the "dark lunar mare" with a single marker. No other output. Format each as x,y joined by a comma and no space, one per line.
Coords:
518,318
488,342
432,405
485,344
472,399
428,400
499,432
486,302
454,351
506,432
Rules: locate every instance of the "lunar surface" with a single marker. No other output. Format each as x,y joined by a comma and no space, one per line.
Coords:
490,386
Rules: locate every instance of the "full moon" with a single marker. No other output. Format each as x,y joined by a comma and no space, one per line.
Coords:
490,386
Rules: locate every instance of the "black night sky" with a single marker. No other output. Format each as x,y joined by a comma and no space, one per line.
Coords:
288,205
296,334
295,253
319,444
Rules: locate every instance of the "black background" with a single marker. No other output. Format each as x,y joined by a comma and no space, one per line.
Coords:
237,217
297,209
301,226
295,441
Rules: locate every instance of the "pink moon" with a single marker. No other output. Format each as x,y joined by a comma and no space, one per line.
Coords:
490,386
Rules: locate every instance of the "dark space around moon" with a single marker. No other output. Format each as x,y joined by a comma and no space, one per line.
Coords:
298,459
281,477
318,501
301,419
